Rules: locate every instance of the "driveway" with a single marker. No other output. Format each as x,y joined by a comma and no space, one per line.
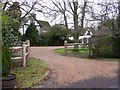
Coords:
71,72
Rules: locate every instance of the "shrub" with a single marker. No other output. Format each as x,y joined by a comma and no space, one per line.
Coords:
116,46
32,34
54,37
6,61
8,40
43,39
106,47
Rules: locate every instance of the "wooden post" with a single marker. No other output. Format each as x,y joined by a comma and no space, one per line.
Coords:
89,47
28,42
28,48
82,41
24,55
65,47
87,41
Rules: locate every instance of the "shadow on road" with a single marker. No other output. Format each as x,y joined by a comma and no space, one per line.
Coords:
96,82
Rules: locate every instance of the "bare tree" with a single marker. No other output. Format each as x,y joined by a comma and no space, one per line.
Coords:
63,8
24,4
119,17
75,19
83,13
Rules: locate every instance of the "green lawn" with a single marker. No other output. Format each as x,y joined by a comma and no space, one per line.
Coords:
82,52
32,74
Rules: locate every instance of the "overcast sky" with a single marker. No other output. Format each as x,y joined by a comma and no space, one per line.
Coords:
40,16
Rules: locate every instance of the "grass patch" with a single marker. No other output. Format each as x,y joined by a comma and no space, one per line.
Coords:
82,52
32,74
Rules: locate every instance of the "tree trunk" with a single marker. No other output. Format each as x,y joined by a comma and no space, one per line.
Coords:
75,17
83,14
65,18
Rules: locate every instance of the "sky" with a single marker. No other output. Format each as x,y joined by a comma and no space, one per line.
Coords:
40,16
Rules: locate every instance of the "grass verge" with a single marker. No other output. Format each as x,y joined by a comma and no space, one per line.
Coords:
82,52
32,74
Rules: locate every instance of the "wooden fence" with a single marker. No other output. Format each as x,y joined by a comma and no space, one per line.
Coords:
25,52
66,44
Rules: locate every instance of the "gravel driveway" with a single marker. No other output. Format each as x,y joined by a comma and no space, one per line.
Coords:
70,72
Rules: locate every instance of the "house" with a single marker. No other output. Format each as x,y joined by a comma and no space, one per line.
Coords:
84,37
42,26
84,34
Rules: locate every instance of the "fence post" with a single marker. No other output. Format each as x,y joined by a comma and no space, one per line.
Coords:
27,41
28,48
24,55
65,47
87,40
82,41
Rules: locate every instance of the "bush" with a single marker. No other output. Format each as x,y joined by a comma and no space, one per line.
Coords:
6,61
43,39
32,34
54,37
116,46
8,40
106,47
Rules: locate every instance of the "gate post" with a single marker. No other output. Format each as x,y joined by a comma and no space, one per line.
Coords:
28,48
65,47
24,55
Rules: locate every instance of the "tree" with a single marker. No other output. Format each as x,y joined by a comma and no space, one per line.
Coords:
116,44
26,4
106,14
14,14
68,10
118,17
8,37
62,9
75,19
32,34
54,37
108,17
